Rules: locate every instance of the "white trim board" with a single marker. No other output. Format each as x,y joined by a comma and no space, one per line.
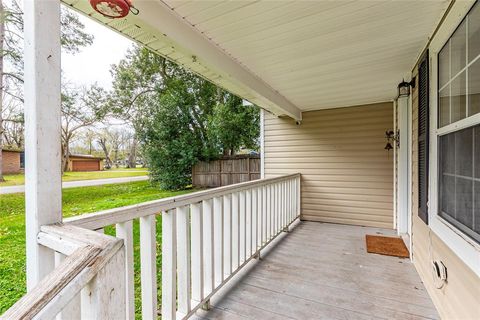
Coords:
464,247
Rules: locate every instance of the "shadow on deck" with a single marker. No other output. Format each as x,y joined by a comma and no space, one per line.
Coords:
322,271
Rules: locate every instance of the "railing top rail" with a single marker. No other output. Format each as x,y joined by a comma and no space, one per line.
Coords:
105,218
49,296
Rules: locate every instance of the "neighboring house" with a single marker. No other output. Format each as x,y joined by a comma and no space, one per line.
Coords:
12,161
80,162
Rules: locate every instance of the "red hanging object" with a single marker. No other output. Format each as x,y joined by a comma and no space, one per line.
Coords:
113,8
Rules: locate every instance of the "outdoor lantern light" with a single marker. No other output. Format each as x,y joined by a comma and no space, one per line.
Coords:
113,8
403,89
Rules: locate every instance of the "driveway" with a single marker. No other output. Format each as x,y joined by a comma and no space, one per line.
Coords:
81,183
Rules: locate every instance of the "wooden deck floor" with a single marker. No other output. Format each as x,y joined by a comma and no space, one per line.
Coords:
322,271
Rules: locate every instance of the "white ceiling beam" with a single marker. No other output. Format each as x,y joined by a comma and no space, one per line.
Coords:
179,36
160,17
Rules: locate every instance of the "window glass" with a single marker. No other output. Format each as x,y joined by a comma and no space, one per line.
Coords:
477,154
444,65
474,88
444,106
474,33
458,46
476,196
459,191
459,97
464,201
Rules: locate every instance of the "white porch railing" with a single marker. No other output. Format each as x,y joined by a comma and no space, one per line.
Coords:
207,237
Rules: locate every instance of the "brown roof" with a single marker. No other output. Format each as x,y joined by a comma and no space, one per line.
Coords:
85,156
11,150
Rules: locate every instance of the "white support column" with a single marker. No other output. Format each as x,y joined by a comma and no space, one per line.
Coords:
262,143
403,178
43,185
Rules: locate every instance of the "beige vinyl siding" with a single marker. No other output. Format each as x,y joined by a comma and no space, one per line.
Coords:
460,297
347,176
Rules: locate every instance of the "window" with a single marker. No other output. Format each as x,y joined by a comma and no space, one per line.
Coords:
22,160
459,127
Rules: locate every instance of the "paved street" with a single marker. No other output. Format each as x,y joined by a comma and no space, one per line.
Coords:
81,183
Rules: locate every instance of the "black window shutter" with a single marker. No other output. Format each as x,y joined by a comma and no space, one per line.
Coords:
423,135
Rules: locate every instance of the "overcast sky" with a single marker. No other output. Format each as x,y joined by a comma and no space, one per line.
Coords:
93,63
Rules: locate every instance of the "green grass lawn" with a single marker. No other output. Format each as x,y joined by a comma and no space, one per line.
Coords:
19,179
75,201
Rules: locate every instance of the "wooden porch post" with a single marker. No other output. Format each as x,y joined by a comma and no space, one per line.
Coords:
43,185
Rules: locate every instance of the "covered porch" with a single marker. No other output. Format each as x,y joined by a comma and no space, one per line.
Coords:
289,245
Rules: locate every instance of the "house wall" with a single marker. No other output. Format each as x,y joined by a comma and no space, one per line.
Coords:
460,297
10,162
347,176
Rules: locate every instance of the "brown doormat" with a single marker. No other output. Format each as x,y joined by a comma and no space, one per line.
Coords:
388,246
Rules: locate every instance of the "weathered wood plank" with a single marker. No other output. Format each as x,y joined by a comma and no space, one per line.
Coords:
227,235
73,310
197,251
323,271
31,304
169,265
104,296
208,245
218,240
148,266
183,259
124,231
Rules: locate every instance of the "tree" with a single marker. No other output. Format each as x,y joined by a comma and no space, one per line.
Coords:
177,115
103,141
77,113
234,125
73,37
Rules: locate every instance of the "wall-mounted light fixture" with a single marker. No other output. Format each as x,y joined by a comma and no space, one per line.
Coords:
404,88
392,137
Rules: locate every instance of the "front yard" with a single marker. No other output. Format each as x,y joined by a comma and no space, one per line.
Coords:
75,201
19,179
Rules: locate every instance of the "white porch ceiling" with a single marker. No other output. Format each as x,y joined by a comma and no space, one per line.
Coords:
288,56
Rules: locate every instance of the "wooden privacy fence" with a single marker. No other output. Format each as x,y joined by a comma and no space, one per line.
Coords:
226,171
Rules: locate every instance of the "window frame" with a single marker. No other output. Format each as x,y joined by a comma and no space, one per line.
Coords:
461,244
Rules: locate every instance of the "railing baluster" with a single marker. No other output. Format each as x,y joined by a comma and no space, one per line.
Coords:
197,251
282,206
285,204
104,297
248,224
299,203
275,211
124,230
73,310
269,211
290,202
235,231
183,260
254,228
148,266
169,265
243,220
259,217
218,239
264,214
208,242
227,235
